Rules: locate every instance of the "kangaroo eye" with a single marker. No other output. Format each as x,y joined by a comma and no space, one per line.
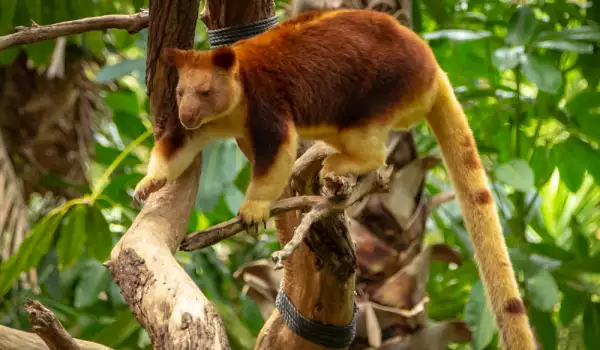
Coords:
205,93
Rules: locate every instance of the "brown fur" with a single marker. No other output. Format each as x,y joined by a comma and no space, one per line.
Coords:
346,77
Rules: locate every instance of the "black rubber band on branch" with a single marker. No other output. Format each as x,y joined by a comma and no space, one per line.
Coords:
229,35
327,335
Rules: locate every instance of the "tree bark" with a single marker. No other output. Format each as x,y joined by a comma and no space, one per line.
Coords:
163,298
14,339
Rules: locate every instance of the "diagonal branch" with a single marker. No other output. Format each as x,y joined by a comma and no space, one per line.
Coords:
28,35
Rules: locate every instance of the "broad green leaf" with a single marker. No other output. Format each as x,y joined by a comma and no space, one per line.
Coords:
564,45
72,236
570,166
480,318
114,295
542,165
125,101
117,188
233,197
589,33
243,178
516,173
507,57
94,279
591,325
542,291
583,102
457,34
7,56
121,69
99,237
589,68
575,150
545,328
130,126
31,250
540,71
571,305
521,26
438,11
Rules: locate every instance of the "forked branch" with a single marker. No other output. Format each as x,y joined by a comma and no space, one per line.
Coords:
28,35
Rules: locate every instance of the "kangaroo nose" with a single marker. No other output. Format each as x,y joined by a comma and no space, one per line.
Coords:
186,118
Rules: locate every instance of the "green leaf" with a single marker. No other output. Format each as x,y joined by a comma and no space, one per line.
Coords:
570,166
30,252
40,52
571,305
564,45
540,71
507,57
545,328
543,291
457,34
106,155
121,69
72,237
94,279
99,237
588,33
6,15
583,102
542,165
34,7
591,325
480,318
521,26
516,173
125,101
129,125
437,11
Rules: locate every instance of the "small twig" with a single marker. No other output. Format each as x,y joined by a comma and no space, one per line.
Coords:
45,324
27,35
214,234
376,181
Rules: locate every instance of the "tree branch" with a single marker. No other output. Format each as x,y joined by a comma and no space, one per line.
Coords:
16,339
47,327
27,35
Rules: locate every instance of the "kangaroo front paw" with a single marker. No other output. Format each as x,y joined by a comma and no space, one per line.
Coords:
253,212
147,186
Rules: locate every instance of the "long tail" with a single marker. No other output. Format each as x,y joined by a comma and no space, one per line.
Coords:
461,158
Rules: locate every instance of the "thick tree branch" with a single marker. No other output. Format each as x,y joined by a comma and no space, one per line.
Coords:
28,35
15,339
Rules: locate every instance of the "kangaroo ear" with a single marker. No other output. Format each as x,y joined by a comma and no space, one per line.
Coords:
223,57
173,57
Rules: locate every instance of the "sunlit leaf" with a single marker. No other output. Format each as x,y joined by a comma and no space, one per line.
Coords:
542,291
94,40
516,173
540,71
542,165
457,34
570,167
563,45
521,26
589,33
480,317
507,57
125,101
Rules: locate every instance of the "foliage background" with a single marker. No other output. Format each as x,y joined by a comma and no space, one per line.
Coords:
528,77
